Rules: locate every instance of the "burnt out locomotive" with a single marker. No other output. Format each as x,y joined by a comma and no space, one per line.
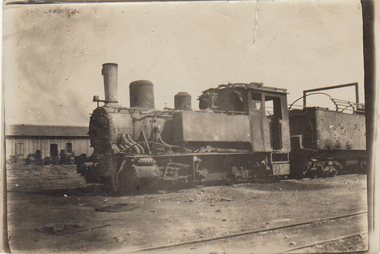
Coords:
240,133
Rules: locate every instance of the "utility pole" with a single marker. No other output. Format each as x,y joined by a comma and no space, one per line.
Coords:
371,24
4,245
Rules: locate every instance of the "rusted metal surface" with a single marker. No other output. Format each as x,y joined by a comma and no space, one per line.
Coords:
328,130
340,131
190,126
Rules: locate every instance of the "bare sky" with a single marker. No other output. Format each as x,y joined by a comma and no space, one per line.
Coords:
53,53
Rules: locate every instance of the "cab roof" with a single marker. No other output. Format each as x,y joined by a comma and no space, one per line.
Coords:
248,86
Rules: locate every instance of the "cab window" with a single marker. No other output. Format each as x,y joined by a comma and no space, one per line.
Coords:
256,101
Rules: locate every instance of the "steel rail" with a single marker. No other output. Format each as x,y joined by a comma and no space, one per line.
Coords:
322,242
246,233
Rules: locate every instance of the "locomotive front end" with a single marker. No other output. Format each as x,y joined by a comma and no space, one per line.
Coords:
118,160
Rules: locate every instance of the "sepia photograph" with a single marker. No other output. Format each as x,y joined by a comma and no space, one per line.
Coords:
210,127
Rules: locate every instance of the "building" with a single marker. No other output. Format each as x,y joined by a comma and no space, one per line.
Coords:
48,141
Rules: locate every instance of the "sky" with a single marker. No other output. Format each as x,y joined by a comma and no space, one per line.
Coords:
53,53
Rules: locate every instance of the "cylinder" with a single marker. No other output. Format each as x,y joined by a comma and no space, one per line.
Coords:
141,94
109,72
182,101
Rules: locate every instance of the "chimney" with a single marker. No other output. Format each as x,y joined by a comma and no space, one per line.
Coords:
109,72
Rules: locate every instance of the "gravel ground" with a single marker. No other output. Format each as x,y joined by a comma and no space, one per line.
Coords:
52,209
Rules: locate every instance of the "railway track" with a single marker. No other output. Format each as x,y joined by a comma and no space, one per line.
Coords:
260,231
304,247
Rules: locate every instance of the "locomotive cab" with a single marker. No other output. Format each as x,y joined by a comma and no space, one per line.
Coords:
264,122
266,108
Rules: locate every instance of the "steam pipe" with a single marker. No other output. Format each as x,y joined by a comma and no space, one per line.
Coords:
136,144
130,144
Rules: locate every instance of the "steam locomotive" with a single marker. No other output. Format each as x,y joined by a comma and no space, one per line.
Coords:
242,132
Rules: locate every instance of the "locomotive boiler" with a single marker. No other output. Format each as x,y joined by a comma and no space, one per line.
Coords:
240,133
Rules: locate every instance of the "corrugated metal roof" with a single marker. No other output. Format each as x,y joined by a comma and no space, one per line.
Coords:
46,131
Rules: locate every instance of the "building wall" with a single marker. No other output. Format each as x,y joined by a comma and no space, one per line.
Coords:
30,145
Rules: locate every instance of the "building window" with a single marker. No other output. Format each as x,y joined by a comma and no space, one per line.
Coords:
20,149
69,147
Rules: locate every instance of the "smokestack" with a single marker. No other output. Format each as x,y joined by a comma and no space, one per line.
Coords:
109,72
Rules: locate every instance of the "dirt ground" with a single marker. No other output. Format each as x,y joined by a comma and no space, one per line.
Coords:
51,209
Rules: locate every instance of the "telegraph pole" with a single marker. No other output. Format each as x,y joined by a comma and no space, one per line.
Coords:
4,245
371,90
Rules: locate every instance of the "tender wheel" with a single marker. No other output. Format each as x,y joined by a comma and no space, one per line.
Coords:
312,173
333,172
232,175
329,171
